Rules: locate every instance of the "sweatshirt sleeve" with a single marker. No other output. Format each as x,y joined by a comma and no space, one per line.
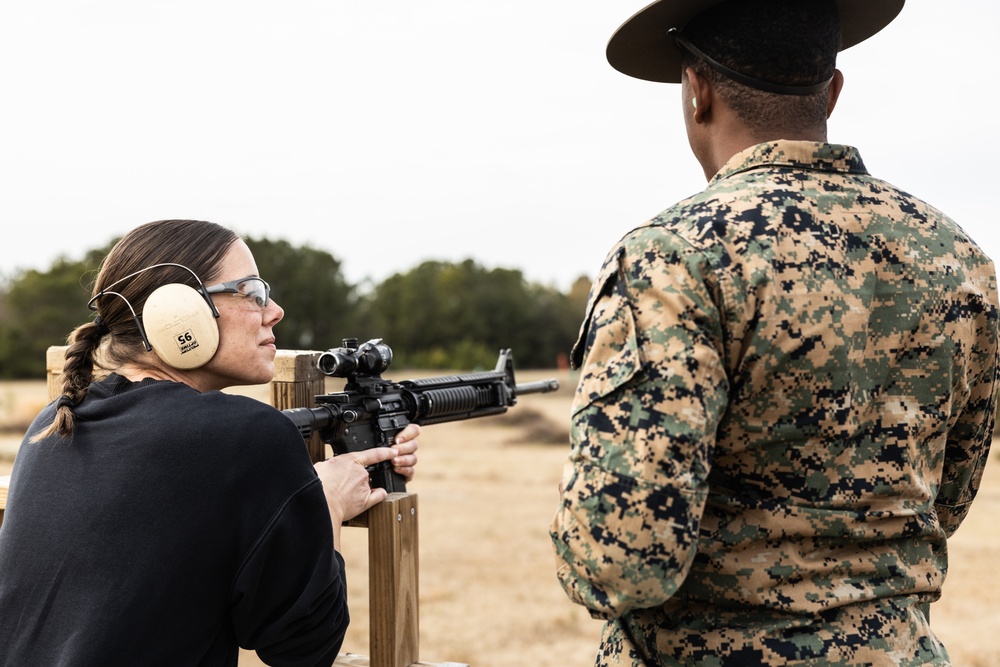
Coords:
289,600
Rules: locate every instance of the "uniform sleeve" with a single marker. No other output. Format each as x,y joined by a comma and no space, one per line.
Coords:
969,439
652,391
289,601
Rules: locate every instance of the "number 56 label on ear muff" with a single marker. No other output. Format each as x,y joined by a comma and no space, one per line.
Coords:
180,326
186,341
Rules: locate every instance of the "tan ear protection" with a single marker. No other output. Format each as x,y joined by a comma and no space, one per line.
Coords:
180,326
177,322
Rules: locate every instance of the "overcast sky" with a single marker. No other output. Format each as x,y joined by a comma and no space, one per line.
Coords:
388,133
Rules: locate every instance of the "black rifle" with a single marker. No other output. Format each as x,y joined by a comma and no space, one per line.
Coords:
370,411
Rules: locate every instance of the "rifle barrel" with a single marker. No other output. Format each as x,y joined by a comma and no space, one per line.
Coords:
540,387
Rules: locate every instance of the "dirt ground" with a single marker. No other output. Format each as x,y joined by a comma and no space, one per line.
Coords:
488,597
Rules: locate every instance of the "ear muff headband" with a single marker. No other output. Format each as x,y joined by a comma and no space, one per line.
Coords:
177,322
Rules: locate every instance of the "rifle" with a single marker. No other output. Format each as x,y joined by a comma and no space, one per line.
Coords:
370,411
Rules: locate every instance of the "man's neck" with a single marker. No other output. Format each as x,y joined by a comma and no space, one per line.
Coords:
730,143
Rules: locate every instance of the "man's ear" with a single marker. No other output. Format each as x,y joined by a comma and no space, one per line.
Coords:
701,94
836,85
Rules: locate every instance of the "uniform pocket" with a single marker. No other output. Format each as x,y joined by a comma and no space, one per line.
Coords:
607,351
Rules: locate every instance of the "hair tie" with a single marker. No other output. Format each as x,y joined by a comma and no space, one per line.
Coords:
102,328
65,401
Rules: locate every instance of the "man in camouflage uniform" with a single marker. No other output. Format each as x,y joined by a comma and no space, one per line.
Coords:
787,381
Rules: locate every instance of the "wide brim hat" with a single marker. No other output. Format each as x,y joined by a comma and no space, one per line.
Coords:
642,48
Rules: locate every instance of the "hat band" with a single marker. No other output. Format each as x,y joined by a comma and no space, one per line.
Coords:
750,81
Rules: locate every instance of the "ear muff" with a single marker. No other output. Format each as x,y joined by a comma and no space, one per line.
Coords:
180,326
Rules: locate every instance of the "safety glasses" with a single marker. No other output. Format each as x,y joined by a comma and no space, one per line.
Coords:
250,287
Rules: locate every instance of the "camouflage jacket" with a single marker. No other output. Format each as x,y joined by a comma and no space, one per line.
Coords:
786,400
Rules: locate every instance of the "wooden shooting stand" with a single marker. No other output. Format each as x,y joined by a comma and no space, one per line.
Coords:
392,526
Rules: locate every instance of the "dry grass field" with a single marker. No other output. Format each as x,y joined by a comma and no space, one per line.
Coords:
486,491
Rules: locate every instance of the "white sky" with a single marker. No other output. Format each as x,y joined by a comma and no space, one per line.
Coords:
392,132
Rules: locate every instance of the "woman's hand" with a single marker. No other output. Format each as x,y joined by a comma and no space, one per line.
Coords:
406,443
346,483
345,477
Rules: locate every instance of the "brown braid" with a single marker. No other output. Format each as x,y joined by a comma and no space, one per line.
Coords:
78,372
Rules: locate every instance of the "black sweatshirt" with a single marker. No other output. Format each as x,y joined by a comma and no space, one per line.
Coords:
172,527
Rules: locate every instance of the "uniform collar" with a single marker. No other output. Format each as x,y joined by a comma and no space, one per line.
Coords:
797,155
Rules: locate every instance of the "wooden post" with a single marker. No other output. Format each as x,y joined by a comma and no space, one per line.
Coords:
55,357
393,566
296,382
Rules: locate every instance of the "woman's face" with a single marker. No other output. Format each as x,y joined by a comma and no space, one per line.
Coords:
246,340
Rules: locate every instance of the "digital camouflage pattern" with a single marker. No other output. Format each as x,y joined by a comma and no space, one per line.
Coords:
785,405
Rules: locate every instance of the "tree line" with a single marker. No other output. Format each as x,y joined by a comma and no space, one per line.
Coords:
438,315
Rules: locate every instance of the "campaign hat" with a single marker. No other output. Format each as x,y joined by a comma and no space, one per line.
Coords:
642,47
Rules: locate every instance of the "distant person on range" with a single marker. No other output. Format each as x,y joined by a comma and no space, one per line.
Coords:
787,380
155,520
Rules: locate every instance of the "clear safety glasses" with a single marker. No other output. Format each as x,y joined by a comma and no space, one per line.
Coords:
250,287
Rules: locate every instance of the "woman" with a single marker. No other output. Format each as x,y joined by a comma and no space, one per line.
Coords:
153,519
